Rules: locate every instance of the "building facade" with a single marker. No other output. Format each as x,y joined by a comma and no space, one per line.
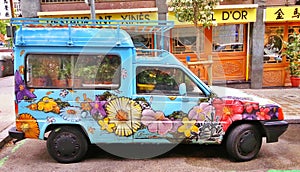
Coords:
9,8
246,45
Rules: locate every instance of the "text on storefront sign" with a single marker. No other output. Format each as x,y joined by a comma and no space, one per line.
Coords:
225,16
282,14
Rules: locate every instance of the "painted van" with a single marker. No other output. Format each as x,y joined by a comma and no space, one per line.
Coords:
81,82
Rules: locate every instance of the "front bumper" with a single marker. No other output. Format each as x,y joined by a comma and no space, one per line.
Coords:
273,129
13,133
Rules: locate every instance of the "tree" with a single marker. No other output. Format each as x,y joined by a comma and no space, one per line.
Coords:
3,24
199,12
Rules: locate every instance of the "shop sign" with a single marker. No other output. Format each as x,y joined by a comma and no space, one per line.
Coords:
225,16
278,14
147,16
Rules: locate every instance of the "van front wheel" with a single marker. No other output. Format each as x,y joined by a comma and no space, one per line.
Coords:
244,142
67,144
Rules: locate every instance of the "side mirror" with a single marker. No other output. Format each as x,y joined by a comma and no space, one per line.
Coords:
182,89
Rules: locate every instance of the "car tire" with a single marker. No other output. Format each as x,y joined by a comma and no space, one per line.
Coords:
67,144
244,142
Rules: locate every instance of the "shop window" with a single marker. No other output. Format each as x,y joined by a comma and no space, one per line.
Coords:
273,44
228,38
73,71
184,40
141,41
163,81
294,29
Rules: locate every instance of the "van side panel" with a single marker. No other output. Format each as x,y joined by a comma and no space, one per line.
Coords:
40,107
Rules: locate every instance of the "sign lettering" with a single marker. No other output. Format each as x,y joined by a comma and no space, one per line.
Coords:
236,15
126,17
282,14
225,16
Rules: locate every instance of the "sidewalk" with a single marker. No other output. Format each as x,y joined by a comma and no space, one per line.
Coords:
7,110
288,98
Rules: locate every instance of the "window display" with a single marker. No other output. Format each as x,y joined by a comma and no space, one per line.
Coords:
228,38
273,44
184,40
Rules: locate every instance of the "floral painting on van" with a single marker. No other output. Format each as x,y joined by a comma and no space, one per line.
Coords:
206,122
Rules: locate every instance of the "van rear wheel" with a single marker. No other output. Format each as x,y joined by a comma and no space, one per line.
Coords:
244,142
67,144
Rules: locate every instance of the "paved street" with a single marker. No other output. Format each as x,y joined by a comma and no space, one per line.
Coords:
32,155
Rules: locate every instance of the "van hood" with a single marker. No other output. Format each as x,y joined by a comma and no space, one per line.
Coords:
239,94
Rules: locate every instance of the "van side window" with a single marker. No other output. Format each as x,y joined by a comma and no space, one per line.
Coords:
162,80
73,71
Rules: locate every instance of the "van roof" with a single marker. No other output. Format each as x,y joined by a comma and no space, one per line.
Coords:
79,32
72,37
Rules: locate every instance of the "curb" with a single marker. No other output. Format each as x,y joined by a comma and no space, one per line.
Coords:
4,137
293,121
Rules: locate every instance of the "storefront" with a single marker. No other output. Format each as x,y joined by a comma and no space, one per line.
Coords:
141,39
280,22
227,42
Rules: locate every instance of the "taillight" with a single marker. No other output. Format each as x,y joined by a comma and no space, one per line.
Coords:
280,114
16,108
2,68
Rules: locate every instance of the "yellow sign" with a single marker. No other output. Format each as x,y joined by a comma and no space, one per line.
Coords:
283,13
225,16
114,16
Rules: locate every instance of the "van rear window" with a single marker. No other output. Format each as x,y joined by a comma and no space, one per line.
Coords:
73,71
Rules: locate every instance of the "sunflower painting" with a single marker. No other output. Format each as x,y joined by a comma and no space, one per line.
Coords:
28,124
125,114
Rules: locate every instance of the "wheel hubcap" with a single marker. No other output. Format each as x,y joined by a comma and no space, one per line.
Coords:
247,143
66,145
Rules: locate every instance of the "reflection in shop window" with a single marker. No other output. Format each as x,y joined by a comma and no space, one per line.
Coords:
294,29
184,40
273,44
291,31
228,38
141,41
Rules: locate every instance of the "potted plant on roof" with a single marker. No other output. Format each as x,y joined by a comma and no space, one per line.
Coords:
292,53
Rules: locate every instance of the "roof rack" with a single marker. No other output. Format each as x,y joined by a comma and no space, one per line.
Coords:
152,26
142,26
